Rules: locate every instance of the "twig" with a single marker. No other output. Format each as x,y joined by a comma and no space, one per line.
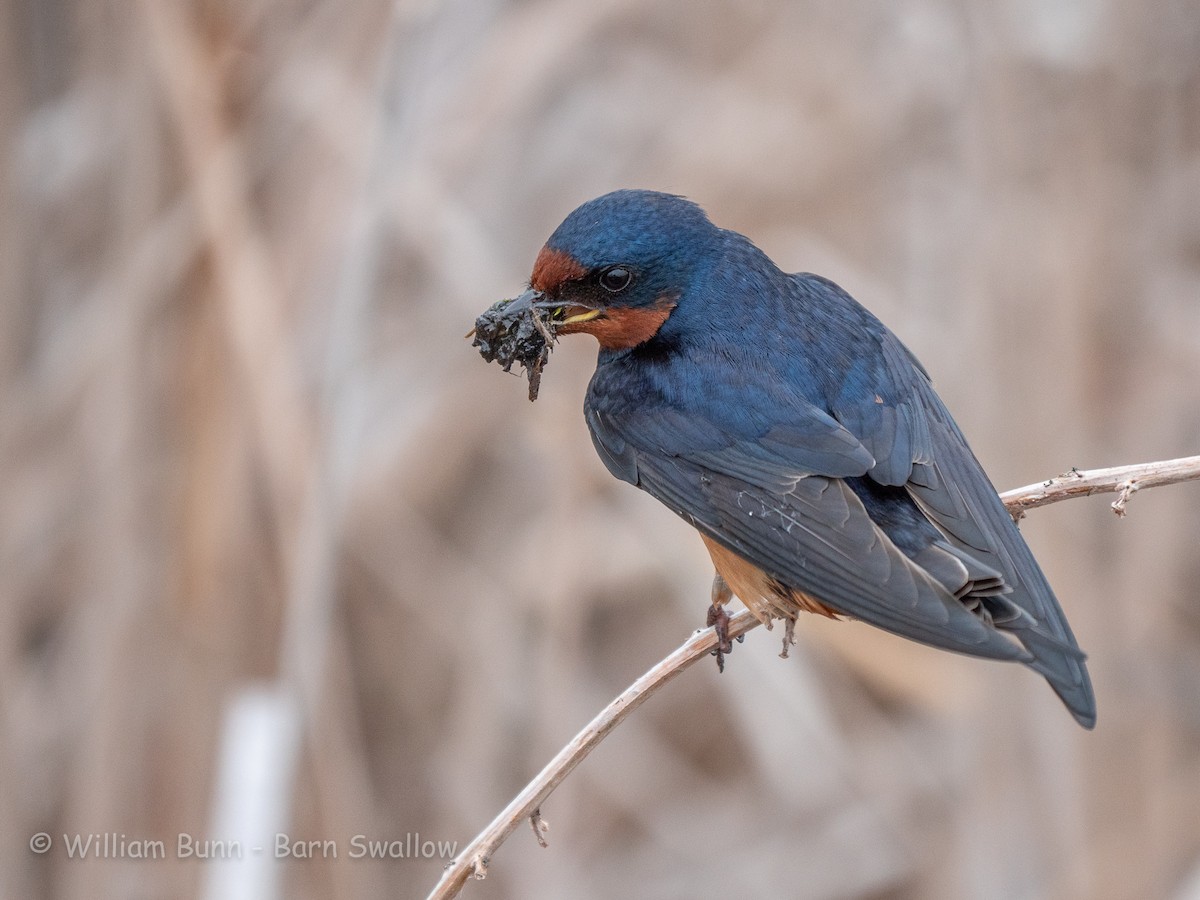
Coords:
475,858
1123,479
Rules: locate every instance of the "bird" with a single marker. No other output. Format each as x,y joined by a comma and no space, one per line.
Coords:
797,434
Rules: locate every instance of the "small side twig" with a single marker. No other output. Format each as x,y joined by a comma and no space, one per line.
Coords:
1127,488
474,859
540,826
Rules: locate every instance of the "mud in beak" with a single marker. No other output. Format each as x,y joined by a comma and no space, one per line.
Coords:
549,315
511,310
555,316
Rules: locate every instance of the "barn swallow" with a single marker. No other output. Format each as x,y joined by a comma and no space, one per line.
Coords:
797,434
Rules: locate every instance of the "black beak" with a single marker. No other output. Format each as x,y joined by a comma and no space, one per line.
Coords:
534,299
531,299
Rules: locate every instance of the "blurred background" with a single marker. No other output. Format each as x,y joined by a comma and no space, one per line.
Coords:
281,554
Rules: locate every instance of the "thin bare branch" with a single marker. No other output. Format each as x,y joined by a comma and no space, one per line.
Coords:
476,857
1120,479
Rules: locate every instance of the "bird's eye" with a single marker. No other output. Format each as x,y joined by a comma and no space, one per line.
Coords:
615,278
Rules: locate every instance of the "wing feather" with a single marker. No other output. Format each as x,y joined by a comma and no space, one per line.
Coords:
814,535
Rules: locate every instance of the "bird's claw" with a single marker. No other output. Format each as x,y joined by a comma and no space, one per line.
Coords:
719,620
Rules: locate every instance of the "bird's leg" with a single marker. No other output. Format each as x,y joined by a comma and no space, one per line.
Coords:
718,618
789,635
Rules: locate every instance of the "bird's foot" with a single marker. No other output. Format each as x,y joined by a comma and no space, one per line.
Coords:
719,619
789,635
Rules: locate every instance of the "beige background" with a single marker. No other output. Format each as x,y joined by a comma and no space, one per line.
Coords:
243,442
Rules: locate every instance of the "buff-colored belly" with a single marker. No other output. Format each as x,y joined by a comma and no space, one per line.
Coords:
764,596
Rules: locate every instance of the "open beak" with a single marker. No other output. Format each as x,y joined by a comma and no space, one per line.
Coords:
556,315
561,315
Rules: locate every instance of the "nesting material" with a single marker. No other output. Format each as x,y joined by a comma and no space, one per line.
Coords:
510,332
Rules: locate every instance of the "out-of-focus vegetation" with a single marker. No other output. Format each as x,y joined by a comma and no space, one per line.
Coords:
243,443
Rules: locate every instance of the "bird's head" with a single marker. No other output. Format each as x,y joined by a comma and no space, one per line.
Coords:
618,265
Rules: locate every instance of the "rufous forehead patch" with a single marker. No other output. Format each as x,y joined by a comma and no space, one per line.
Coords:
553,268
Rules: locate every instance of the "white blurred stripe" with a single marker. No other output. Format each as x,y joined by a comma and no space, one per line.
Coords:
253,793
